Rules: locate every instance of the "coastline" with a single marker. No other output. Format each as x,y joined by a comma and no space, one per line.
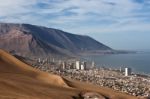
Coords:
138,62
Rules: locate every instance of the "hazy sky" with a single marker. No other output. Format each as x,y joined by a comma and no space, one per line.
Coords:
120,24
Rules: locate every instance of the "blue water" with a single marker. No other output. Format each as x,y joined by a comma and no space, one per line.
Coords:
140,62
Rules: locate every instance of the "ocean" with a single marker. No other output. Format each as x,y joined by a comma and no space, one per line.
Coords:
139,62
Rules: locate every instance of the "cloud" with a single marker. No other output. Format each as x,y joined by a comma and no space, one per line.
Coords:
80,16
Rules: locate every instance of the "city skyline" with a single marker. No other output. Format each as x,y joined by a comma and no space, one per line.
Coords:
120,24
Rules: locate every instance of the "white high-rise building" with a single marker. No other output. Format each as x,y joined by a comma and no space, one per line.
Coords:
78,65
39,60
82,67
93,65
53,60
128,71
64,65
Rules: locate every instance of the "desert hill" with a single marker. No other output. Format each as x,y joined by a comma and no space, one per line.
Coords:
26,39
20,81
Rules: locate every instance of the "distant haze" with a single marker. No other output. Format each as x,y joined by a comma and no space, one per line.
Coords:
125,41
120,24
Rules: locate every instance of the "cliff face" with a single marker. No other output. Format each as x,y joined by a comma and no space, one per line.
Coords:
26,39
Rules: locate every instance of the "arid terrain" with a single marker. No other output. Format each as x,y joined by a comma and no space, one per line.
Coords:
32,40
20,81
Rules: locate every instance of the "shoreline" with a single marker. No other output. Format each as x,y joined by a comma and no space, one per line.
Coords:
134,61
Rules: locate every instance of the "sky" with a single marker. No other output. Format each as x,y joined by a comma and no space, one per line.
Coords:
120,24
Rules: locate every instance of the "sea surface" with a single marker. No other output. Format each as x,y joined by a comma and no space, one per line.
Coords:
139,62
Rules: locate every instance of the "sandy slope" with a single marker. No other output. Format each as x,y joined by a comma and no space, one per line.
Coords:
20,81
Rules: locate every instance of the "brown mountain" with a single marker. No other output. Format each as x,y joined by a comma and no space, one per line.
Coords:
26,39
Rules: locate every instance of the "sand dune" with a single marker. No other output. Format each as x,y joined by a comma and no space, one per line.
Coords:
20,81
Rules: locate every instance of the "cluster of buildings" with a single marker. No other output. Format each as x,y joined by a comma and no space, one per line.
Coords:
62,64
122,80
132,84
77,65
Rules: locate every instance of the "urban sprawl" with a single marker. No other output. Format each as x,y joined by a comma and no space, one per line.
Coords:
122,80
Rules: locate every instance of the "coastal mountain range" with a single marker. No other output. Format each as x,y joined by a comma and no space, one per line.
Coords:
27,39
